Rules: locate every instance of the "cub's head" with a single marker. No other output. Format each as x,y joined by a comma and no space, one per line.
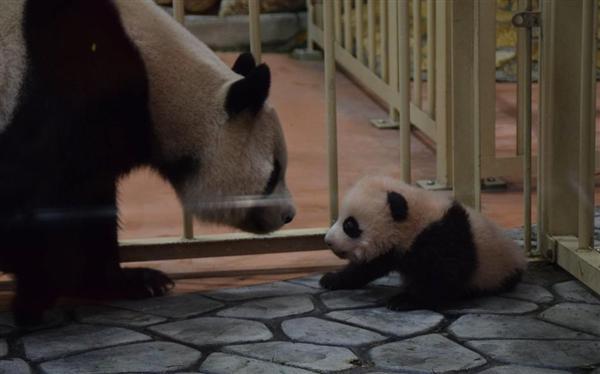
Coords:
229,164
380,214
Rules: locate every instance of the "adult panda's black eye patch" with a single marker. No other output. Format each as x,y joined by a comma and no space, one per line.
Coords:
273,178
351,227
398,206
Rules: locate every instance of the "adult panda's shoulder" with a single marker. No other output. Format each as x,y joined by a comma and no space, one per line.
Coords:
12,58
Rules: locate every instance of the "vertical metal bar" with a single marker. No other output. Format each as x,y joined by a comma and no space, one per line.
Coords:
371,33
179,11
188,220
358,6
587,125
330,100
443,93
404,88
310,25
384,40
416,10
348,26
337,7
431,58
524,117
393,53
254,15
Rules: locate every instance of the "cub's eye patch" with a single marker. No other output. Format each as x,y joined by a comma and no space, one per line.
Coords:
351,227
273,179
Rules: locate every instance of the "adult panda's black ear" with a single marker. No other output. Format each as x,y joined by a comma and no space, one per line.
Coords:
249,93
398,206
244,64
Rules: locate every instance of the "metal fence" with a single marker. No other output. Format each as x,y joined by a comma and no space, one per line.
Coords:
458,113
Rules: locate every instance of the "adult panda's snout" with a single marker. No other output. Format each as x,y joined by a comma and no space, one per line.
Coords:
288,215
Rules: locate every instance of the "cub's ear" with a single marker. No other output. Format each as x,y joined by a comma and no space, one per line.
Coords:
398,206
244,64
251,92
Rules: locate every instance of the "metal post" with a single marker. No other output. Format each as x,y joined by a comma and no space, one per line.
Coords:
416,8
179,11
254,16
348,26
404,89
330,101
524,116
358,6
587,125
371,34
431,58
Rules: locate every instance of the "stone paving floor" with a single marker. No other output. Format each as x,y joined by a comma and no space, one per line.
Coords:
549,324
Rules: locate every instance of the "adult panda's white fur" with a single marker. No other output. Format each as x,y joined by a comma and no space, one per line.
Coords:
444,250
12,58
221,190
90,90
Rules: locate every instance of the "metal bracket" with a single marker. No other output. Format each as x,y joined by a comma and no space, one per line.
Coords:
493,184
432,185
551,248
384,123
527,19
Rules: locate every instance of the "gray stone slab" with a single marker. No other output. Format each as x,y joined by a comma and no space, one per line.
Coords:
491,326
275,307
75,338
319,331
584,317
391,280
575,292
345,299
118,317
530,292
514,369
261,290
425,354
492,305
214,331
304,355
545,274
389,321
14,366
153,357
221,363
232,31
311,281
559,354
174,306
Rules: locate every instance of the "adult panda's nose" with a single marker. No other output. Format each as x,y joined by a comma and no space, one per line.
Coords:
288,217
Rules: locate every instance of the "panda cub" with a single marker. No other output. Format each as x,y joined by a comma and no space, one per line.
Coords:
443,250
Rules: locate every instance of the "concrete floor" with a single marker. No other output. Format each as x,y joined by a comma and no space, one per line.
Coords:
548,325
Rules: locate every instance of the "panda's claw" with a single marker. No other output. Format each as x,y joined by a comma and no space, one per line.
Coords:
331,281
400,302
141,283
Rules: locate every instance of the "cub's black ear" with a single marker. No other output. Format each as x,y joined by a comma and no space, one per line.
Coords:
250,92
244,64
398,206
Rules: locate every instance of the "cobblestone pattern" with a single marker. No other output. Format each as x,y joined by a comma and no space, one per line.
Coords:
549,324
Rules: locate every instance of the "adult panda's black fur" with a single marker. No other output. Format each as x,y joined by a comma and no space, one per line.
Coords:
443,251
81,107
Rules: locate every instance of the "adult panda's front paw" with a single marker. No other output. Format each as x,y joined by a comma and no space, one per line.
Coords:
401,301
140,283
332,281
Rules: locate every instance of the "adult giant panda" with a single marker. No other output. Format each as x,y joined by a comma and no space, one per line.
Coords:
90,90
444,251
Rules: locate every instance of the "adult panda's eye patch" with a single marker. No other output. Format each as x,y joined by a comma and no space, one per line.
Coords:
351,227
273,179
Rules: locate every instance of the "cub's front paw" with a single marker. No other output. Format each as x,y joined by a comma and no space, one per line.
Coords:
139,283
400,301
332,281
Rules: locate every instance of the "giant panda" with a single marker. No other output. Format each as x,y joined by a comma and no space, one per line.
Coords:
90,90
444,251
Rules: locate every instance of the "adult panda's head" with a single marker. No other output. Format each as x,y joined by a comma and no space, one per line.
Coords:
217,139
236,176
380,214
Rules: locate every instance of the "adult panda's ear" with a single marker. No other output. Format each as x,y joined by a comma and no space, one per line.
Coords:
398,206
244,64
249,93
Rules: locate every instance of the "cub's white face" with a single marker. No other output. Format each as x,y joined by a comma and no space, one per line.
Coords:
380,214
